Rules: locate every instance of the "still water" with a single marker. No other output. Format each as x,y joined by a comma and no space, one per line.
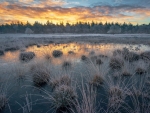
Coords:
11,67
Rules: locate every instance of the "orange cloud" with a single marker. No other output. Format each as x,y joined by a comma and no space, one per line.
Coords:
25,1
42,13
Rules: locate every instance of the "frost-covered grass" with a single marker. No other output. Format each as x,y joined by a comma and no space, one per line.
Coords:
85,79
18,41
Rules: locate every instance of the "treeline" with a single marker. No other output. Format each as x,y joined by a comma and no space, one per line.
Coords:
79,27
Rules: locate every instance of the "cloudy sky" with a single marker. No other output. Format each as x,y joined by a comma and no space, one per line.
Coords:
133,11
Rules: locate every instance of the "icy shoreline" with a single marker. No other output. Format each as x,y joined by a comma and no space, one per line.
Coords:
18,41
65,35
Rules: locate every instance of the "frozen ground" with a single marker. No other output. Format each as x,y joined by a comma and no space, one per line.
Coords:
23,40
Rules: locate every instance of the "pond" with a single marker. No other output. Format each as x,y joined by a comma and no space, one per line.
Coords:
110,75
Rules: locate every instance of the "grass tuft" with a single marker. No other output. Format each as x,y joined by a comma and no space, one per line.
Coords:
116,63
97,80
57,53
3,101
63,97
64,80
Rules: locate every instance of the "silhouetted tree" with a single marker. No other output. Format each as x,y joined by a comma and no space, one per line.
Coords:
78,27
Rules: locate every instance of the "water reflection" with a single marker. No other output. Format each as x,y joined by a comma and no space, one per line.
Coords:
73,51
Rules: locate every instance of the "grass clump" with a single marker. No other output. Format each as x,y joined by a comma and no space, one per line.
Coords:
97,80
99,61
87,102
66,64
12,49
64,97
131,56
145,55
117,52
71,52
116,63
116,98
64,80
84,58
127,55
47,57
57,53
26,56
3,101
40,75
126,73
140,71
1,52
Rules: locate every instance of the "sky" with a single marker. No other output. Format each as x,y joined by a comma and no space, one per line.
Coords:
72,11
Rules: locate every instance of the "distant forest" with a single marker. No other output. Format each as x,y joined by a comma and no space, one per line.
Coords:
79,27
